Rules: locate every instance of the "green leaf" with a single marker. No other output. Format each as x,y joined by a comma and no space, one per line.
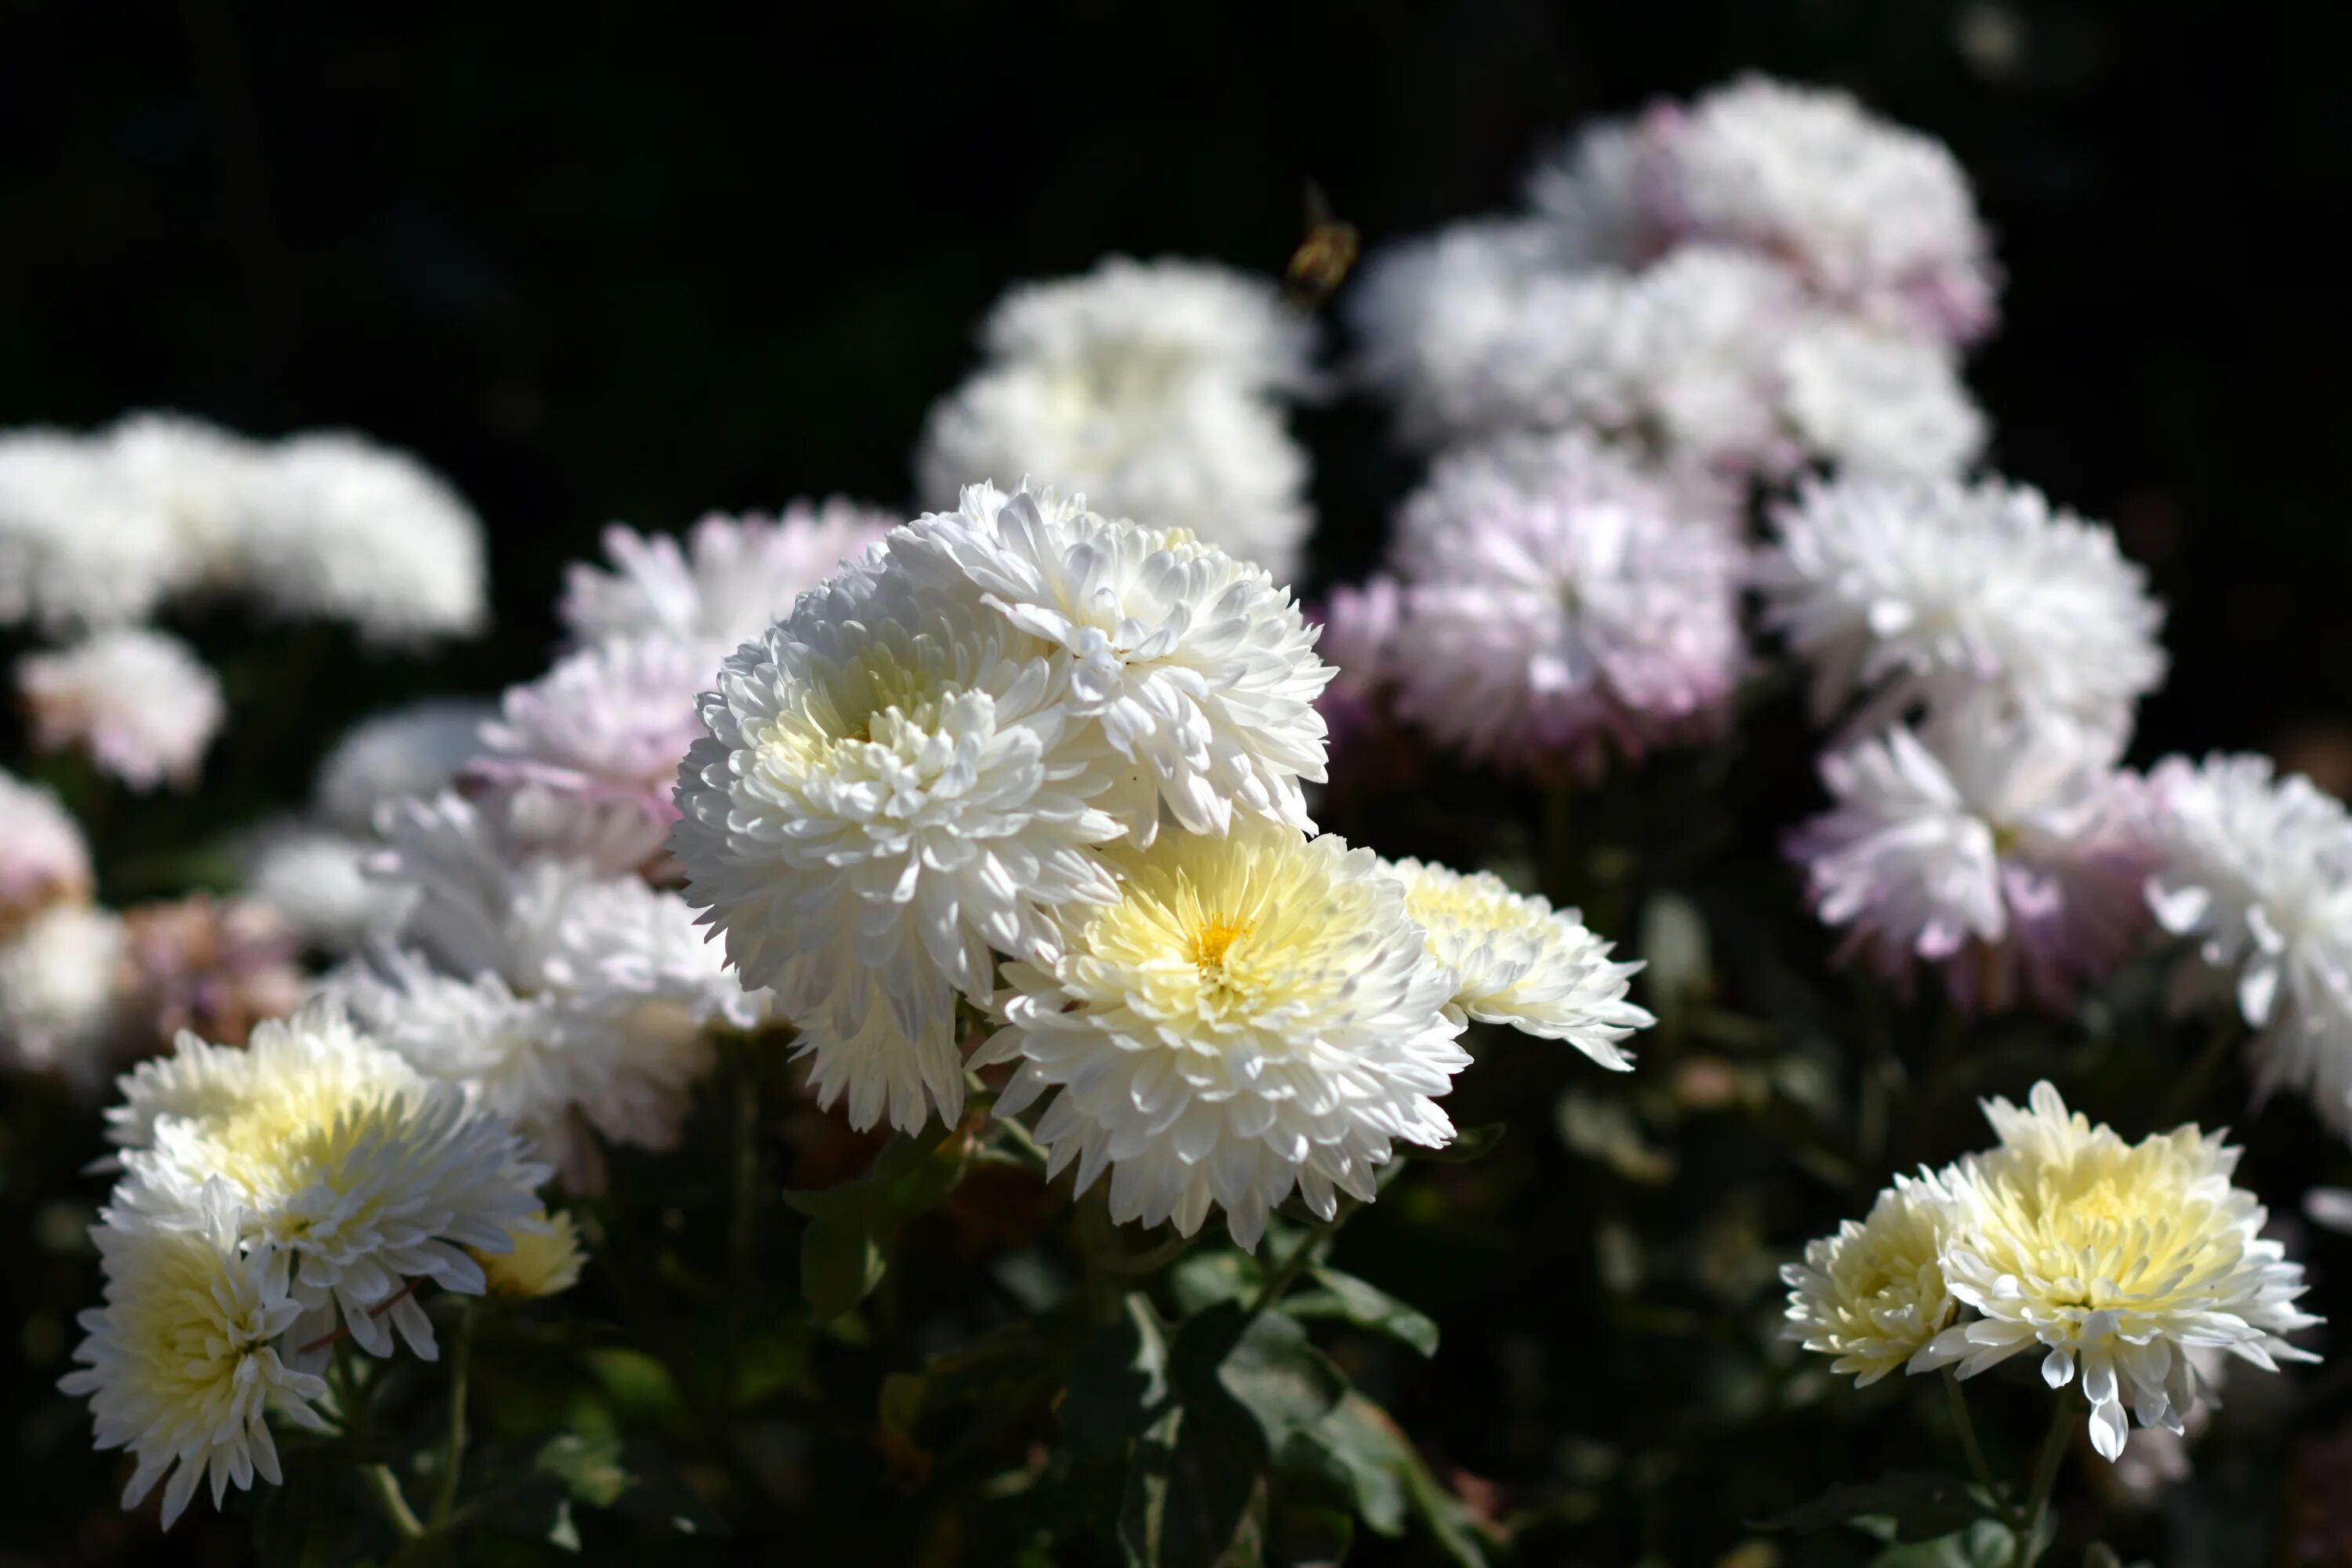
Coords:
589,1468
1262,1363
1915,1506
1988,1543
842,1250
1119,1384
1354,1451
1352,1300
1469,1143
1201,1279
1194,1496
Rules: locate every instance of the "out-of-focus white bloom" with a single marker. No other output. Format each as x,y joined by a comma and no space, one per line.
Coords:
890,789
1256,1013
1944,594
1557,600
1359,641
1589,189
60,981
1873,1295
2257,870
732,579
365,1175
181,1365
1192,665
1689,362
79,547
1878,405
2011,854
1148,387
141,703
584,759
43,857
1875,218
201,480
412,752
347,530
1517,961
2116,1258
317,880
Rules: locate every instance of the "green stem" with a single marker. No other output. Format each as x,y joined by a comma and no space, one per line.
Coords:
461,1359
385,1487
743,1234
2036,1509
1959,1401
1287,1271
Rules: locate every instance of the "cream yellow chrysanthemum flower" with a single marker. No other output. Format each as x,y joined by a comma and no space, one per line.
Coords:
2116,1257
1256,1013
1517,961
1873,1295
544,1262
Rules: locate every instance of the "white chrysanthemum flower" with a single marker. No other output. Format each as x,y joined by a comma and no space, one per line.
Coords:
203,481
1193,666
79,547
1873,1295
2117,1259
2011,854
1517,961
317,880
347,530
181,1365
1588,187
1558,601
364,1175
1878,405
1876,218
410,753
1256,1014
1135,326
43,860
1943,593
584,760
890,789
731,580
2257,870
60,979
141,703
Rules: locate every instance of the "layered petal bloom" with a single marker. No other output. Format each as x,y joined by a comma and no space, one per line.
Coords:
2256,870
1256,1014
1873,1295
43,860
728,579
1558,601
181,1365
1193,667
141,703
891,788
2115,1260
1939,594
2011,856
1516,961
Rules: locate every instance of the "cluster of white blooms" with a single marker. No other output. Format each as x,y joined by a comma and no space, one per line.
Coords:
1024,738
274,1199
59,955
2112,1259
1152,388
139,701
1764,278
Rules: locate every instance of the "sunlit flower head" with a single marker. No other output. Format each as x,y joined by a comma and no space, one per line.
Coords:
728,581
60,982
141,703
1516,961
1874,1294
546,1260
1256,1013
2113,1258
43,860
181,1367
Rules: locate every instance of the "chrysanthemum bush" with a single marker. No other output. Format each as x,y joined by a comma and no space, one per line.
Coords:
1028,1027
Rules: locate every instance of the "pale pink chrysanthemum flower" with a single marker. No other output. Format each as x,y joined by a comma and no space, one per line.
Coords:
1360,624
2010,854
43,857
731,579
141,703
1558,600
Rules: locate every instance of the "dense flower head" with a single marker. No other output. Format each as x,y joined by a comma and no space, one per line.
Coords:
1874,217
364,1175
408,752
890,790
1938,593
1876,403
1254,1014
2114,1258
200,480
2256,869
60,984
78,549
1192,665
728,581
1131,322
1874,1294
182,1365
2011,854
139,701
43,860
1559,601
1516,961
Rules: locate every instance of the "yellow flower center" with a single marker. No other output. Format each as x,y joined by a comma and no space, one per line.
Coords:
1213,937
